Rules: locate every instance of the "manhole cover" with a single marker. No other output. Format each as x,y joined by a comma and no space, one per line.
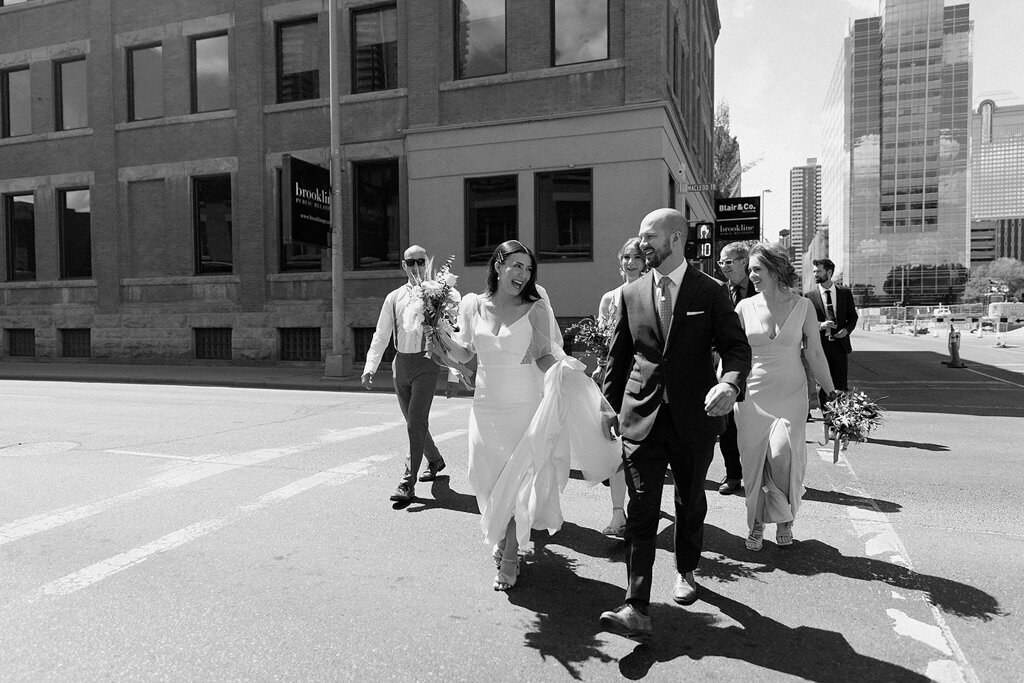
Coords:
20,450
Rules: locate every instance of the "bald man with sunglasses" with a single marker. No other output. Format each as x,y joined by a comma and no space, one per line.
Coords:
415,376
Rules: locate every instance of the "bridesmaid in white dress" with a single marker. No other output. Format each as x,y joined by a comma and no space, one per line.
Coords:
771,420
519,449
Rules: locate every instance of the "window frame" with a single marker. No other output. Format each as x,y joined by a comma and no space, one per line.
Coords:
357,166
62,194
279,56
58,92
470,231
554,37
7,209
354,46
5,100
455,46
547,255
193,42
130,77
196,242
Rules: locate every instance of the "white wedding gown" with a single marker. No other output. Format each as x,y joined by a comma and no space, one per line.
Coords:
525,426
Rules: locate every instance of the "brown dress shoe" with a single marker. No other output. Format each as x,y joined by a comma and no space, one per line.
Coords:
686,589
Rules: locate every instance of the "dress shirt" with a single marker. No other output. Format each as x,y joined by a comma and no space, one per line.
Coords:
389,325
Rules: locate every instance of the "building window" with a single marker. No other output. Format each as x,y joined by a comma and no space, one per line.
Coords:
298,61
15,103
376,214
211,206
564,220
580,31
21,343
210,74
294,255
479,38
145,82
70,85
213,343
75,343
492,215
362,337
375,49
20,234
75,233
300,343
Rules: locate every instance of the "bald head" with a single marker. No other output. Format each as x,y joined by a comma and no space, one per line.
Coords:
415,251
418,270
663,234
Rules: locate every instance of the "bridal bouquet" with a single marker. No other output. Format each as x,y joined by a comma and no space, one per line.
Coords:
851,416
434,304
594,335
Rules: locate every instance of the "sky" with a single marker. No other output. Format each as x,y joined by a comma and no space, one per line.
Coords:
774,61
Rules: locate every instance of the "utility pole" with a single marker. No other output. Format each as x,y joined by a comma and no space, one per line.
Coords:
334,366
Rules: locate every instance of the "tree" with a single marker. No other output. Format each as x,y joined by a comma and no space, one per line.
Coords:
728,167
1004,275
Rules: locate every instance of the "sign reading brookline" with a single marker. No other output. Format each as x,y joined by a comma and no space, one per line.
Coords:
307,191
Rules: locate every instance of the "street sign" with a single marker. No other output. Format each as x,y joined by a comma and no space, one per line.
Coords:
701,187
738,219
701,244
306,193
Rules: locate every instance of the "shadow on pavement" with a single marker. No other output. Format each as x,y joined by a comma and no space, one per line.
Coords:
937,447
812,557
809,653
837,498
445,498
997,395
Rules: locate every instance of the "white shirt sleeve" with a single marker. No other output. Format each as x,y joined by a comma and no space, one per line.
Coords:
382,335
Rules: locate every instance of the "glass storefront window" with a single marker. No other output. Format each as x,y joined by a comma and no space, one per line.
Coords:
20,236
75,233
377,217
211,207
492,215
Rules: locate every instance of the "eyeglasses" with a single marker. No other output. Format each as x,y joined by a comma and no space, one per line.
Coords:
415,262
728,261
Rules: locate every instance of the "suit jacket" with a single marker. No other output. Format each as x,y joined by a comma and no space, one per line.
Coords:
749,292
642,367
846,314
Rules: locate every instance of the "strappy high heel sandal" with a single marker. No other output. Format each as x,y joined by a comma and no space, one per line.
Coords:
756,537
507,576
614,529
784,533
498,553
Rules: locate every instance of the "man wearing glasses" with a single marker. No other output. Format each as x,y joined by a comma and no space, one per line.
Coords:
733,264
415,376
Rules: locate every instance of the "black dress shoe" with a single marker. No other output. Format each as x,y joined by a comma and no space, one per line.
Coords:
628,622
730,486
685,592
403,494
432,469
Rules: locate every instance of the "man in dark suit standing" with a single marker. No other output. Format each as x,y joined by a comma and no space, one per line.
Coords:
838,319
661,381
733,264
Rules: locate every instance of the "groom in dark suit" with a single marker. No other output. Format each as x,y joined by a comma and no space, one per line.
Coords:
661,382
837,319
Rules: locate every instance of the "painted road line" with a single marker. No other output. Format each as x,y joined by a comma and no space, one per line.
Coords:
101,570
881,541
178,476
1004,381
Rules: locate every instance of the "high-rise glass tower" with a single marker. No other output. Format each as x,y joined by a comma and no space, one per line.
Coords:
804,207
997,182
895,154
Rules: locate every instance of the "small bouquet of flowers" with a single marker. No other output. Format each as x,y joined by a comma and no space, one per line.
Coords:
594,335
434,304
851,416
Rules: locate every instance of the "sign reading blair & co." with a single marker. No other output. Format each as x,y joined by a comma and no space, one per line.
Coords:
737,219
307,202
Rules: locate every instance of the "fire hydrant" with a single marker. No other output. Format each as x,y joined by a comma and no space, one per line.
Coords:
954,349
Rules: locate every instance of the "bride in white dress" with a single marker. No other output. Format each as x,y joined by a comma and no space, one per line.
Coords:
534,409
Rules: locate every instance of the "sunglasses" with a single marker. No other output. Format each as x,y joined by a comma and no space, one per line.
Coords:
415,262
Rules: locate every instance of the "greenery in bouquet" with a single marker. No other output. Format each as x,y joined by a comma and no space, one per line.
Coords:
851,416
434,304
594,335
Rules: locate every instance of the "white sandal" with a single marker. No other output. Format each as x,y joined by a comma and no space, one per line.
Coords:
755,540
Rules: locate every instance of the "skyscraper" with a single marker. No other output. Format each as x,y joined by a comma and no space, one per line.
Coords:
804,207
997,182
895,154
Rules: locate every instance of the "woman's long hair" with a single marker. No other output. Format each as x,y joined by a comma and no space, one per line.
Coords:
504,250
631,243
776,260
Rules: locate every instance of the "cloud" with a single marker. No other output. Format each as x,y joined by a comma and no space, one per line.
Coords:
740,9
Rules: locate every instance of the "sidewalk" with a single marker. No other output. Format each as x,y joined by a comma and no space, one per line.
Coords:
309,378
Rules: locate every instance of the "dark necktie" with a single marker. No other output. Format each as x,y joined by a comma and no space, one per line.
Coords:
830,313
736,295
665,306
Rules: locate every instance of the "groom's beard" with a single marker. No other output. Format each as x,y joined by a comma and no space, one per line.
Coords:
658,256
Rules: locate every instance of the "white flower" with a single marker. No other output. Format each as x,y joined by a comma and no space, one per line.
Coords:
431,287
449,279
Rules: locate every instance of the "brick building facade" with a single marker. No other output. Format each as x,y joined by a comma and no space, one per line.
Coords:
141,147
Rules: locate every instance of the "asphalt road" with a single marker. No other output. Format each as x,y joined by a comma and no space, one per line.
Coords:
205,533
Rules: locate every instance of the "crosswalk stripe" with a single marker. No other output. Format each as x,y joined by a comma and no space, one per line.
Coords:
177,476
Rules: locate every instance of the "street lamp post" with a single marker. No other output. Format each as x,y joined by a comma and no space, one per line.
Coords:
335,365
762,212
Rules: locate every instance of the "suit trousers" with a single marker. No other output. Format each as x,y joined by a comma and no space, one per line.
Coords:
838,365
730,451
645,464
415,384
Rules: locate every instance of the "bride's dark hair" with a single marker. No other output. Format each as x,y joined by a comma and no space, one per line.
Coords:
776,260
504,250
